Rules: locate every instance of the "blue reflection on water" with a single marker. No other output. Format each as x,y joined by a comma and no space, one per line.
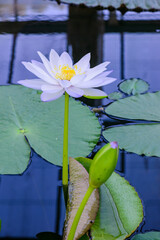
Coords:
29,203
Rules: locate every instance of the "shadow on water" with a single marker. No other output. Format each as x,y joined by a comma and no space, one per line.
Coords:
33,202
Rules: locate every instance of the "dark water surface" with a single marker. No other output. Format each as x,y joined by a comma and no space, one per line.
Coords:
33,202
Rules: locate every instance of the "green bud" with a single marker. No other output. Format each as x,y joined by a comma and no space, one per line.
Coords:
103,164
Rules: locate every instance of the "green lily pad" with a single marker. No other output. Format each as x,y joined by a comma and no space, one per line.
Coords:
139,107
118,4
142,138
25,120
115,95
138,138
120,211
147,236
133,86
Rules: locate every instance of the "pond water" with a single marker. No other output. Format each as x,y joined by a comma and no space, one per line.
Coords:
33,202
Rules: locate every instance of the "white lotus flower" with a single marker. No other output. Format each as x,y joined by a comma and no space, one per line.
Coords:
58,75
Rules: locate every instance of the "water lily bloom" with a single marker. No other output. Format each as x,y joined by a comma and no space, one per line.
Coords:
58,75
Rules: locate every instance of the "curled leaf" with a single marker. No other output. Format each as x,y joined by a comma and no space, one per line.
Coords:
79,183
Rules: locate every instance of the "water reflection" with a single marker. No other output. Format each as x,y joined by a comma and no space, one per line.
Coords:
28,203
11,10
34,43
11,65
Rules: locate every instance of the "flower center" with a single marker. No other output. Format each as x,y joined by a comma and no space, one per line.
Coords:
66,73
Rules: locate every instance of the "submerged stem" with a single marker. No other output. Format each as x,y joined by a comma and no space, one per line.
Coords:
79,213
65,147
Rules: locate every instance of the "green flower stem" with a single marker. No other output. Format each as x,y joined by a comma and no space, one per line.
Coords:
65,147
79,213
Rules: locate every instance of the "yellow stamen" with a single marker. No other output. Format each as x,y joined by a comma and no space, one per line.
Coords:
66,73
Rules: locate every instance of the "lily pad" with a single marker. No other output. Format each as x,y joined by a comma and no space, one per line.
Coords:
118,4
139,107
120,211
147,236
133,86
115,95
140,138
26,121
79,183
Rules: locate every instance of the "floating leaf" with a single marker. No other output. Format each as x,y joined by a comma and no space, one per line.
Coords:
139,138
120,211
23,116
115,95
147,236
79,183
133,86
143,107
117,4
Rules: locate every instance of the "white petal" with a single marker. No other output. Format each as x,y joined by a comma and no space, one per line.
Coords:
54,58
96,83
39,72
64,83
100,76
32,83
51,88
100,66
96,71
105,81
47,97
93,74
39,64
75,92
46,63
76,79
93,92
83,63
65,59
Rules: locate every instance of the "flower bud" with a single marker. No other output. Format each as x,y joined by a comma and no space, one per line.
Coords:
103,164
